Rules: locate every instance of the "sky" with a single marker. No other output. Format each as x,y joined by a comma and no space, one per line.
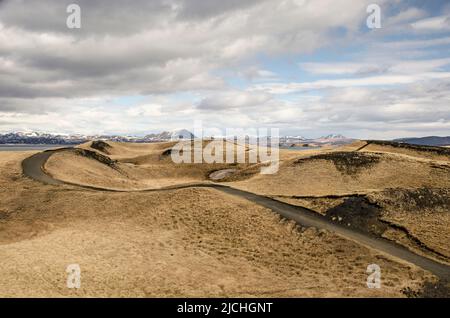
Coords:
307,67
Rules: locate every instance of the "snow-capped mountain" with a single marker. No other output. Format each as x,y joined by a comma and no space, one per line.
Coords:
294,137
335,139
65,139
41,138
171,135
299,141
334,136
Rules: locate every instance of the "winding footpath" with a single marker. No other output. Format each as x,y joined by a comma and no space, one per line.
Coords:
33,168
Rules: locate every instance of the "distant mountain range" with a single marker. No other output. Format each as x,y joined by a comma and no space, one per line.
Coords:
41,138
286,141
60,139
299,141
426,141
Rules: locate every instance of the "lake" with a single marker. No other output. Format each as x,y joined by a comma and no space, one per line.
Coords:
25,147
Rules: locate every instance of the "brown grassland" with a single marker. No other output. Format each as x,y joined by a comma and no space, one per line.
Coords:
200,242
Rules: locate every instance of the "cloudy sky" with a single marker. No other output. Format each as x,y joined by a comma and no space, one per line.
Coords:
308,67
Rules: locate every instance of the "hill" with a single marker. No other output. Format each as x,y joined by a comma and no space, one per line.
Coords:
427,141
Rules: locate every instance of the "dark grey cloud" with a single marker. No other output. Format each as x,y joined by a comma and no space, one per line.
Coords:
117,17
200,9
99,17
26,106
167,45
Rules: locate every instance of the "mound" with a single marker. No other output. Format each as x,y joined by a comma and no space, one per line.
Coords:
347,162
101,146
154,169
122,151
429,152
415,147
348,172
419,218
360,213
95,156
422,215
145,166
81,166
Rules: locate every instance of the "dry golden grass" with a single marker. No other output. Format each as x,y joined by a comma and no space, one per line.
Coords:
318,176
192,242
337,171
425,213
407,152
145,166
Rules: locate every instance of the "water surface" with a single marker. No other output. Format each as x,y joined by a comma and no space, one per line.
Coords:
25,147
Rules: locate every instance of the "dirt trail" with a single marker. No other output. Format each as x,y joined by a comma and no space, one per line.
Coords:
33,168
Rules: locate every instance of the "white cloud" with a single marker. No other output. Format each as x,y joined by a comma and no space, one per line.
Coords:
391,66
385,80
439,23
